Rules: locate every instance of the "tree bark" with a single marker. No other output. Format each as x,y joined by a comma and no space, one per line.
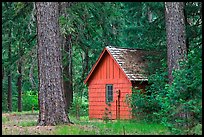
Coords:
2,77
19,80
67,66
19,85
176,39
51,96
9,76
67,70
85,63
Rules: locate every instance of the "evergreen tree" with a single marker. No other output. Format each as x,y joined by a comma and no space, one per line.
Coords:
51,96
176,35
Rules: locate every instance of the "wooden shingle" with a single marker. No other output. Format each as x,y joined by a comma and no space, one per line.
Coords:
131,61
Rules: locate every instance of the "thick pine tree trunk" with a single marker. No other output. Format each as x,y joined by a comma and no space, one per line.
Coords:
67,65
51,96
176,38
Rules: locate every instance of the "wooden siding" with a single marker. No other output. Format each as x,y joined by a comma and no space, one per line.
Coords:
108,72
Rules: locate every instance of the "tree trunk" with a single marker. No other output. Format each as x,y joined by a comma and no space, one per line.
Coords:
176,39
19,81
19,85
9,76
149,13
67,69
2,77
67,65
51,96
85,58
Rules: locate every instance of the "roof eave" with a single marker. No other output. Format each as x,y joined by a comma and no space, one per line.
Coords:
118,65
93,68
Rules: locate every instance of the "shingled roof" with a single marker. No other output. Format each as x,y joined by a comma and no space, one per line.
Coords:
131,61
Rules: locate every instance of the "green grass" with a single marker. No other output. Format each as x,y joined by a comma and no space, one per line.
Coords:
116,127
84,126
127,127
27,123
4,119
73,130
35,112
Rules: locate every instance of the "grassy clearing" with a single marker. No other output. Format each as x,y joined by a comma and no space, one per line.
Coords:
4,119
35,112
27,123
74,130
115,127
23,123
127,127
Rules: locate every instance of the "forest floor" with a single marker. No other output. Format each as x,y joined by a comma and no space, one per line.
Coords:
26,124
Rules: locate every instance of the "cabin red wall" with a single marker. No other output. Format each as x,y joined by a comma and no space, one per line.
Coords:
108,72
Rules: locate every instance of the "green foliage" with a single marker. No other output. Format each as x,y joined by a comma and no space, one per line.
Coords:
166,103
143,106
18,31
79,105
29,100
185,96
197,130
146,105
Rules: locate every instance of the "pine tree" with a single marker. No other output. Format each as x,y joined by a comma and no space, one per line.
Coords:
176,37
51,96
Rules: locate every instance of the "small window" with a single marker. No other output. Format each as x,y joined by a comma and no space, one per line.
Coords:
109,93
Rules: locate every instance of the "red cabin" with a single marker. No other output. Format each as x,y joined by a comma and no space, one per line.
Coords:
111,80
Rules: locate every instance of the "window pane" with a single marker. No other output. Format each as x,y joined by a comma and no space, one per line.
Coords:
109,93
109,87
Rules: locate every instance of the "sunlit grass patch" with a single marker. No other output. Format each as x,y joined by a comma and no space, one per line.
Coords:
83,119
5,119
27,123
35,112
122,127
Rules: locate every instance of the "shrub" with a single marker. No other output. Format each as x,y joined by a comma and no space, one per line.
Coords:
79,105
181,102
29,100
179,105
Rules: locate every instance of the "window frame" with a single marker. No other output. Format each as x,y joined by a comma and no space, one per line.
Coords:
109,98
